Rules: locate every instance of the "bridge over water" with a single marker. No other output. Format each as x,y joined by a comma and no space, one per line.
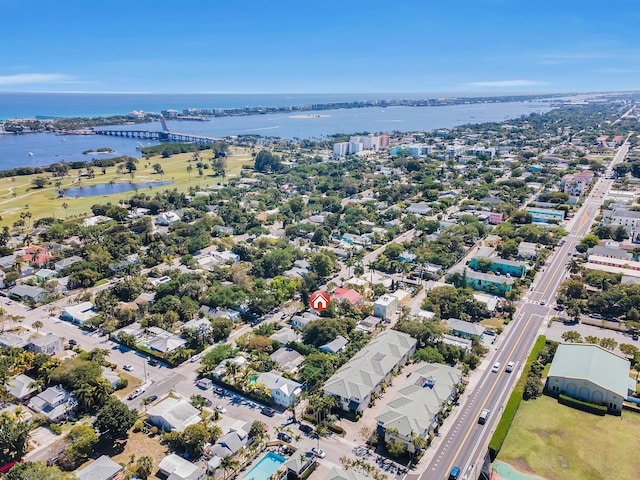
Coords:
164,136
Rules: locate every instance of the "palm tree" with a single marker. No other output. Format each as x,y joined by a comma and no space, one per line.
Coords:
65,205
84,394
229,464
101,391
189,170
37,325
320,432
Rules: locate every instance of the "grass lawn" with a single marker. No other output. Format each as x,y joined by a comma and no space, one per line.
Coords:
493,322
18,195
562,443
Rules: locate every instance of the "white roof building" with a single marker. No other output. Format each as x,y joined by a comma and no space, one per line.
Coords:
175,467
173,414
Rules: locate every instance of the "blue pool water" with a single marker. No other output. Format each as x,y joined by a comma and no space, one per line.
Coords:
265,467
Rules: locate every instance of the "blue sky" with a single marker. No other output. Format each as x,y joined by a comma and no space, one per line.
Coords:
327,46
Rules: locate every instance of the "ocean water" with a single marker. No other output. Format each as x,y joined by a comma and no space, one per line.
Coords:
45,148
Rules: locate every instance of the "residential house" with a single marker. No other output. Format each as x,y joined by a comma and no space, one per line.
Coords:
167,218
591,374
27,292
339,474
458,342
419,209
490,301
174,467
527,250
173,414
403,297
385,306
287,359
356,381
335,346
298,465
464,329
9,339
21,386
80,313
48,344
285,335
283,391
164,342
349,295
44,274
368,325
495,218
112,377
221,369
300,321
66,262
54,403
102,468
227,445
415,409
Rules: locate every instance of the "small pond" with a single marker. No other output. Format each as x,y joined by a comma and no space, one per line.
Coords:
109,189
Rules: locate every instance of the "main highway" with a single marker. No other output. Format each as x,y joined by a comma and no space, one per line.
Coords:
465,441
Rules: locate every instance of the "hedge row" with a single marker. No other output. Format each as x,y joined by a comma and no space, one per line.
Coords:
513,403
584,406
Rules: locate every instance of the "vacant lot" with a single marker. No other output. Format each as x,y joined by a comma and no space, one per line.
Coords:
19,195
561,443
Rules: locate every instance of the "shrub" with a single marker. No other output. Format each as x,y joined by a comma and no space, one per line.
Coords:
581,405
336,429
55,428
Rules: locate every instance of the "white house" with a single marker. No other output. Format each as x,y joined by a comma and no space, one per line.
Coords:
80,313
385,306
173,414
54,403
167,218
283,391
174,467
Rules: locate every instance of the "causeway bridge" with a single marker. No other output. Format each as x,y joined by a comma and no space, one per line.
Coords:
164,136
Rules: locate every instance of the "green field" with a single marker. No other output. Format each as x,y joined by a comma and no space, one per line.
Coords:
561,443
18,195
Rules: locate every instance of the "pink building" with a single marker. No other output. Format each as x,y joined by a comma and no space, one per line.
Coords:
495,218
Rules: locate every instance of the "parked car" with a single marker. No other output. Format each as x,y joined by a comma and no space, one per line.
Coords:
496,367
128,368
484,415
455,473
304,428
268,411
491,333
221,409
151,399
285,437
318,453
153,362
73,342
634,336
195,358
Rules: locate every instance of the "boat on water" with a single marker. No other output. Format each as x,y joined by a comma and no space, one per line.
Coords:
30,154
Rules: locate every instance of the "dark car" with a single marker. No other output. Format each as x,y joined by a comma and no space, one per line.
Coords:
153,362
73,342
634,336
268,411
151,398
285,437
305,428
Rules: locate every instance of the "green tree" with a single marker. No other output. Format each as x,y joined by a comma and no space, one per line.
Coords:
629,350
396,448
429,355
14,437
37,325
608,343
572,337
532,387
114,419
35,471
144,466
83,440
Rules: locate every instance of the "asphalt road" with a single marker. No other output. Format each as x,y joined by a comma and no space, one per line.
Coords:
467,440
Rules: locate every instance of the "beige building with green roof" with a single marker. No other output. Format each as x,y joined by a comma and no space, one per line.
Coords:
590,373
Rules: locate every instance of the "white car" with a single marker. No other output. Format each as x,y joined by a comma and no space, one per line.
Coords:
128,368
195,358
136,393
221,409
496,367
510,367
318,453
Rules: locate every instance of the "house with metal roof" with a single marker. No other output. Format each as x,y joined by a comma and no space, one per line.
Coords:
356,381
103,468
22,292
288,359
54,403
80,313
48,344
336,345
21,386
174,467
590,373
416,407
339,474
463,329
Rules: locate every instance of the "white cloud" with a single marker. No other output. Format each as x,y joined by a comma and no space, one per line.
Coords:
35,79
507,83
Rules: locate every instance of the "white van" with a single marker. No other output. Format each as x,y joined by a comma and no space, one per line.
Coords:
484,415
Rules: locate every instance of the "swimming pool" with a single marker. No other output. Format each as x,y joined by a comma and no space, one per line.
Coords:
265,467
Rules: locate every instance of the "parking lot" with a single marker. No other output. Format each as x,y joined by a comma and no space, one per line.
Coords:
556,329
